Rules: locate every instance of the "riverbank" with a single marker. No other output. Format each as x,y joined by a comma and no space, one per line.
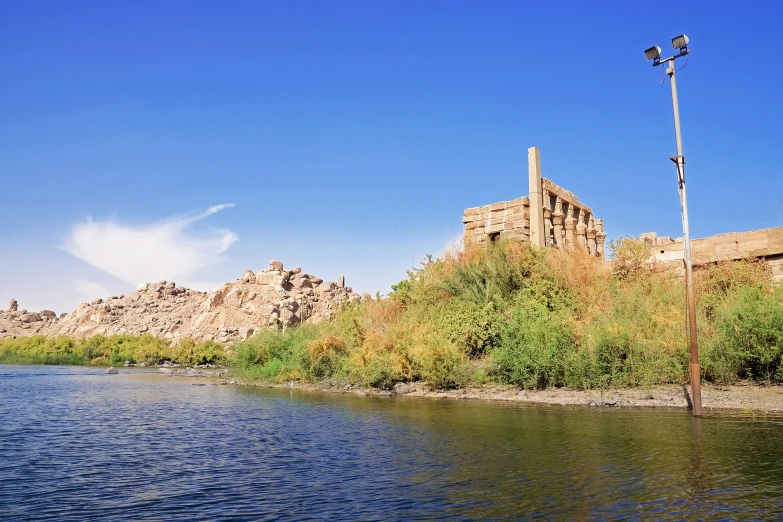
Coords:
747,397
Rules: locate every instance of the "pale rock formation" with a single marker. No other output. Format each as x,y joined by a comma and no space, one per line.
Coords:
270,298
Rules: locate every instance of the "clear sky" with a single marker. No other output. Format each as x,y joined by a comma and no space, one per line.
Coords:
191,141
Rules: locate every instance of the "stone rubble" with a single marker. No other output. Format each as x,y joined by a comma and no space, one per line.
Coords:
270,298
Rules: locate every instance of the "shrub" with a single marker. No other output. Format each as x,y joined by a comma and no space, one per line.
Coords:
533,346
750,331
325,356
629,257
377,363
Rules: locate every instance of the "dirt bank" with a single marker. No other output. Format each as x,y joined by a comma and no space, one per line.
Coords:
748,397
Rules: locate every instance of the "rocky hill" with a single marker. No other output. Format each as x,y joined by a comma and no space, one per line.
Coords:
271,297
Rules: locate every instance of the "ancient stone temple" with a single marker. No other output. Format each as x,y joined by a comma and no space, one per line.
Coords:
766,244
549,215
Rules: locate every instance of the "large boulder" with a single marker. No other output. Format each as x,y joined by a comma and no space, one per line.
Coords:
13,306
273,279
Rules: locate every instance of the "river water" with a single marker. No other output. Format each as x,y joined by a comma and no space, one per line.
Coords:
76,444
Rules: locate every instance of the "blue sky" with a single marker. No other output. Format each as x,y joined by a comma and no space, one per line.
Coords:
350,136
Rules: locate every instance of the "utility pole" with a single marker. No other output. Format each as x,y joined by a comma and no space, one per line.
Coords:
654,53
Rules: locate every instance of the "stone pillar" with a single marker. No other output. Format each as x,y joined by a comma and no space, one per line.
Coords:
591,233
537,237
547,217
13,306
600,237
581,230
557,222
570,227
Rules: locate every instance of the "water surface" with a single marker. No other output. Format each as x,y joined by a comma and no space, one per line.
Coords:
76,444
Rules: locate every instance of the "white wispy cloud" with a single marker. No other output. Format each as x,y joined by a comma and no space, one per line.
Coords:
168,249
86,291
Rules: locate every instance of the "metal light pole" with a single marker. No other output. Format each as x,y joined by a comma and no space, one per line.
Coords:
654,53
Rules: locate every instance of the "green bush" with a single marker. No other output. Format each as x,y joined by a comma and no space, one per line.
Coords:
533,346
276,354
750,336
475,328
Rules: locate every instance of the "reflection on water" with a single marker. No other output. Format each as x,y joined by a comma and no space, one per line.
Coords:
76,444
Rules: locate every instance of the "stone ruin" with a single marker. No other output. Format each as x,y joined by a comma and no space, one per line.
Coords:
767,243
548,216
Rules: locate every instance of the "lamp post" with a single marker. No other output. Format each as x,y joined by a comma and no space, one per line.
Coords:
680,43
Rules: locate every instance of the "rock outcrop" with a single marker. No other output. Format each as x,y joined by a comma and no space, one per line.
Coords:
269,298
17,323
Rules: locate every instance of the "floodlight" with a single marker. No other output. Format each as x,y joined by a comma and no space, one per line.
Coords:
653,53
680,42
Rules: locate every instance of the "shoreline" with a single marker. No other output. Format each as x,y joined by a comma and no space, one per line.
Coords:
745,396
748,397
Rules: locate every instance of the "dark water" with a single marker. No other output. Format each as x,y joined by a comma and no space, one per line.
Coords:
79,445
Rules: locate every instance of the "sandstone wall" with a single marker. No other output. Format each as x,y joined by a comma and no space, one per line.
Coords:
507,219
549,216
766,243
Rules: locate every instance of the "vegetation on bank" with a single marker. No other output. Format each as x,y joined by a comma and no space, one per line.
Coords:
537,318
505,314
108,350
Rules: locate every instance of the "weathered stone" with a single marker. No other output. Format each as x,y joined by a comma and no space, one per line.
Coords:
276,265
96,301
287,317
270,279
247,276
48,314
341,281
401,388
111,371
30,318
245,332
301,283
13,305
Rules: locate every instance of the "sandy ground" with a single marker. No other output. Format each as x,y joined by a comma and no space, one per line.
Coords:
747,397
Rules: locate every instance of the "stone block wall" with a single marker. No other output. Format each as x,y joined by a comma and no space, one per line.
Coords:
766,243
507,219
549,216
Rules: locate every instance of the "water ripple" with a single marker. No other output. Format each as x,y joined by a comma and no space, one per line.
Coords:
79,445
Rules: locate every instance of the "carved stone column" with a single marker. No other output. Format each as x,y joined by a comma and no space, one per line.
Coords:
570,227
591,234
547,217
581,230
557,222
600,237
